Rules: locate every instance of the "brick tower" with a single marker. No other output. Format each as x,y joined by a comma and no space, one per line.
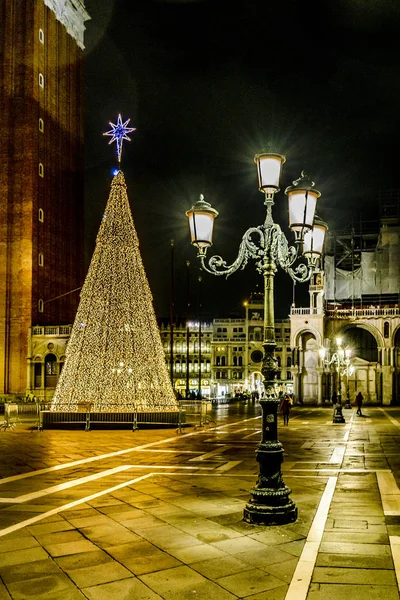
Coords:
41,176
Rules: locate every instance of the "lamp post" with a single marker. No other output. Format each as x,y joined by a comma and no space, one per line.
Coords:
267,245
340,360
199,395
187,328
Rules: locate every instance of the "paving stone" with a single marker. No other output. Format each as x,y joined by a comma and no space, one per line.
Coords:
83,559
348,548
50,527
4,595
173,581
142,557
44,588
98,574
269,557
221,567
18,557
126,589
283,570
351,592
70,548
30,570
194,554
366,537
249,582
354,576
8,544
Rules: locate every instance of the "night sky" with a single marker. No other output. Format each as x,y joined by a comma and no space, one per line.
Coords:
209,84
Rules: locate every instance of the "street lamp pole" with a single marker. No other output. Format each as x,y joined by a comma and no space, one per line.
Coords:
199,396
267,245
187,327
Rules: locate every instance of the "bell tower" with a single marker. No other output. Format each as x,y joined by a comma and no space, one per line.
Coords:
41,180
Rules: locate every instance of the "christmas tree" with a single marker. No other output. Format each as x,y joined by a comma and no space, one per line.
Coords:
114,357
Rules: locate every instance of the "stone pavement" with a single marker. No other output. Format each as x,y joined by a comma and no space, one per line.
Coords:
117,515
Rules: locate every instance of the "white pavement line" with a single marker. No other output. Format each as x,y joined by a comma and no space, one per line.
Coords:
387,415
338,470
390,493
160,451
64,486
228,466
307,445
221,448
74,482
55,511
395,549
337,455
298,588
84,461
246,437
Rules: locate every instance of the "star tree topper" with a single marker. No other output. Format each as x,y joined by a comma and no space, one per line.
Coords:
118,134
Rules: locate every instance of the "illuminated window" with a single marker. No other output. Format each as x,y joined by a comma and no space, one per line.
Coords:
41,125
41,215
41,170
40,306
41,80
41,36
41,259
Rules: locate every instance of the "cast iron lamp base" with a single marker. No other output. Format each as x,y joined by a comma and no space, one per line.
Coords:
338,414
270,503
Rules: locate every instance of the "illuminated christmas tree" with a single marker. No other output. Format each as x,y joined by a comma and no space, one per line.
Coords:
114,357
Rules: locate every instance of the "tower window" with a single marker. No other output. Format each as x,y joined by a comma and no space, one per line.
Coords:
41,36
386,329
40,305
41,125
41,215
41,80
41,170
41,259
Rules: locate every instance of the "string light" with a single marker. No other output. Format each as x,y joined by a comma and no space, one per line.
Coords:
114,357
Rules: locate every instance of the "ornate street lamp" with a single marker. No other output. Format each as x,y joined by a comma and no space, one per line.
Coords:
267,245
341,361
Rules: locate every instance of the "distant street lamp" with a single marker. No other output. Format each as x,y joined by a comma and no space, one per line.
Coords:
340,360
267,245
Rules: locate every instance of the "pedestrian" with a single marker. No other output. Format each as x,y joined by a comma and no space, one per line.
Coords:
359,401
334,399
285,409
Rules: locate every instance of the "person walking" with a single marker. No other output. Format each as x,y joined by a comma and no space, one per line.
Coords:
285,409
359,401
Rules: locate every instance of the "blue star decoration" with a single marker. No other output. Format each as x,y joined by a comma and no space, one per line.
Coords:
118,134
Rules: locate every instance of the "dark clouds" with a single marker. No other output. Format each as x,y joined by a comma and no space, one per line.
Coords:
208,84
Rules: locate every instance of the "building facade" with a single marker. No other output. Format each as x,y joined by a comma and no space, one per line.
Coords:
356,299
41,180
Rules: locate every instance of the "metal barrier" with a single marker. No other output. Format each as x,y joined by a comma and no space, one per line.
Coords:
196,414
22,412
86,419
10,416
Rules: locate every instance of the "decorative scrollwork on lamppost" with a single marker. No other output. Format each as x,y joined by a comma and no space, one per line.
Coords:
341,362
268,247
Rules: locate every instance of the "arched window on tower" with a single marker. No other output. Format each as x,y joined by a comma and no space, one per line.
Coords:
50,371
386,329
